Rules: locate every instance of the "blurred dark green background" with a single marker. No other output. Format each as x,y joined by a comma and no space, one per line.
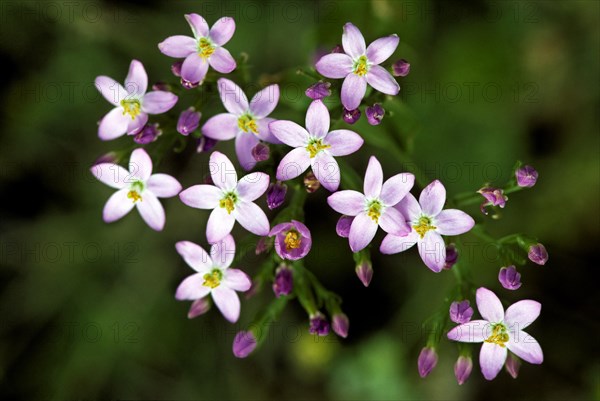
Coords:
87,308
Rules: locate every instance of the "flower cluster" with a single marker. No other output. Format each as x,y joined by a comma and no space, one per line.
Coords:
275,155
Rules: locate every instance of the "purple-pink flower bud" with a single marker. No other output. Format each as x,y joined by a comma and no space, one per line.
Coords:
463,368
512,365
284,281
176,68
161,86
509,278
110,157
276,194
375,114
205,144
364,271
451,256
292,240
243,344
537,254
318,324
199,307
351,116
461,312
188,84
262,245
337,49
340,324
400,68
526,176
493,197
148,134
188,122
318,90
428,358
343,226
261,152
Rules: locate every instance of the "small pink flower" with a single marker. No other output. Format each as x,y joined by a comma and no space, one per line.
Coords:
132,103
213,276
204,49
428,223
314,146
359,65
500,332
292,240
230,199
136,187
376,207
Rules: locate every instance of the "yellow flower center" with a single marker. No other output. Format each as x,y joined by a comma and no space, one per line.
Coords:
361,66
205,48
247,124
131,107
374,210
423,226
213,279
499,335
228,202
135,190
134,196
315,146
292,240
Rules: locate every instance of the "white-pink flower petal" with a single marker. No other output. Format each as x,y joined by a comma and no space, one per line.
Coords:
202,196
489,306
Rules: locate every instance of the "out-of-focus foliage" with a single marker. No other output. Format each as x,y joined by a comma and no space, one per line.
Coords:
88,308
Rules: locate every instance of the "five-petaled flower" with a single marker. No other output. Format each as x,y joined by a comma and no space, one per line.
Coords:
213,276
230,199
500,332
428,223
136,187
204,49
314,146
132,103
292,240
375,207
359,65
246,122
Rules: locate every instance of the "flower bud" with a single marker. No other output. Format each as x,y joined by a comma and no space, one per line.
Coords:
537,254
451,256
284,281
428,358
364,271
205,144
110,157
188,122
512,365
261,152
510,278
400,68
199,307
318,90
318,324
148,134
243,344
276,194
262,245
161,86
463,368
176,68
340,324
493,197
350,116
375,114
526,176
311,183
337,49
343,226
292,240
188,84
461,312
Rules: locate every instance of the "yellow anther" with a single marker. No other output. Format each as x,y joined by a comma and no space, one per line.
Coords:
205,48
247,124
228,202
423,226
292,240
499,335
315,146
374,210
361,66
212,279
134,196
131,107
